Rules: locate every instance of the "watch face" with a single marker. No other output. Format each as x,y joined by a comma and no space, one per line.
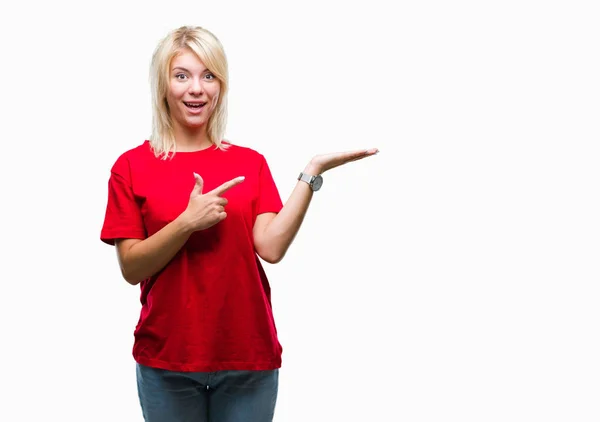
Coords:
317,183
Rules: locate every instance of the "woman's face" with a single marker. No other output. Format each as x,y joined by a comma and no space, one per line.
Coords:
193,91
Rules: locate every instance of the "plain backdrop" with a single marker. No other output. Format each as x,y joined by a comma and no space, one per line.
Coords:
452,277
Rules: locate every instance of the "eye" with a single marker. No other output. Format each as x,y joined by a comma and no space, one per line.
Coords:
210,76
180,76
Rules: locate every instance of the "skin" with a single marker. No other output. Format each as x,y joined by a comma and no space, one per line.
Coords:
191,81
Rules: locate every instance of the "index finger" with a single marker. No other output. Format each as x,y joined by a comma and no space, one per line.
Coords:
360,154
227,185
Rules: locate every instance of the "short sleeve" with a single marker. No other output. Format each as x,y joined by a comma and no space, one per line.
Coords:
269,199
123,218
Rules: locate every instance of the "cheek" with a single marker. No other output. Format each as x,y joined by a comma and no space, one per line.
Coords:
215,97
175,93
170,99
214,90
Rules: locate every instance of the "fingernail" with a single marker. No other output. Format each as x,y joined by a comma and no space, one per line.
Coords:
196,174
241,178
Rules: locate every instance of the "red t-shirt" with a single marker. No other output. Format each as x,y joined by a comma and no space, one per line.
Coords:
209,309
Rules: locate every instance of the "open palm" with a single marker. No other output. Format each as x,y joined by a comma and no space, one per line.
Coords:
323,162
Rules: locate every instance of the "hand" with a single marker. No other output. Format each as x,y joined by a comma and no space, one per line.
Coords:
206,210
321,163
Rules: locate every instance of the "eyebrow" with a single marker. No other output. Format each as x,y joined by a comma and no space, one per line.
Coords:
185,70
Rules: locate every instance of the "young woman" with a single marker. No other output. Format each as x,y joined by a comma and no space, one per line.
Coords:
189,214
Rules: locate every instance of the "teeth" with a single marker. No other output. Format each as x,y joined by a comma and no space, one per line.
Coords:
194,105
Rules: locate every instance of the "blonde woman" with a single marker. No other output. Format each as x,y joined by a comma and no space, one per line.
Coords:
189,214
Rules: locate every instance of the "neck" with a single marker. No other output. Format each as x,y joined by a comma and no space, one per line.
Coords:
191,139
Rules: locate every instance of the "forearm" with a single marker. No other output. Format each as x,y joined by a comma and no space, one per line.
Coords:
273,238
281,231
147,257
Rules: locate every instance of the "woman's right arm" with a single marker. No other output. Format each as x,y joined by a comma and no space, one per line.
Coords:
141,259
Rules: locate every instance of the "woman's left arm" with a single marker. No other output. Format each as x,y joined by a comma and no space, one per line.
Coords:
273,233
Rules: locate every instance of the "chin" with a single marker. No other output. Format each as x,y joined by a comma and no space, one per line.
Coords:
195,124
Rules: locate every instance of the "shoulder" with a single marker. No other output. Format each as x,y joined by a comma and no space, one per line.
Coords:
240,149
241,152
124,162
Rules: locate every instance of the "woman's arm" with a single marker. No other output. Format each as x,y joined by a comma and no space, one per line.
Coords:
140,259
274,233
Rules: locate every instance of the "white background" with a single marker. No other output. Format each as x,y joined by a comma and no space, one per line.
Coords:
452,277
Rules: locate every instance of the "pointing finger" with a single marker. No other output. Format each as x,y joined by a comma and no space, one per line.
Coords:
227,185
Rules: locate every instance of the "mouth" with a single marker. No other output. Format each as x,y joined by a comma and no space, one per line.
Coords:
195,105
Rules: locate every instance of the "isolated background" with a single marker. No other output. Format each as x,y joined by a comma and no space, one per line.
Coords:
453,277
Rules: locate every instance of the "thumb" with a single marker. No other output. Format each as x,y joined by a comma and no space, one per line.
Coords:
198,185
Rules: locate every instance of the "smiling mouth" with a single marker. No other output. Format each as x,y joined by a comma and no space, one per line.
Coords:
194,106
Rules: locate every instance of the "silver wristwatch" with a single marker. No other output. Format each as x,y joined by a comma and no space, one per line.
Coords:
315,182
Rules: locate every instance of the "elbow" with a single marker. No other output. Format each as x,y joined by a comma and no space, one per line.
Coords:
271,256
271,248
273,259
130,278
133,282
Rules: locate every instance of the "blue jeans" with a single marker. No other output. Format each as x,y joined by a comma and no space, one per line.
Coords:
222,396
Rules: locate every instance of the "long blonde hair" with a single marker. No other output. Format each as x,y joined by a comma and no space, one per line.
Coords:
210,51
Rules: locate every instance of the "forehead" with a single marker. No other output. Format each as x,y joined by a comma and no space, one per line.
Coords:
188,60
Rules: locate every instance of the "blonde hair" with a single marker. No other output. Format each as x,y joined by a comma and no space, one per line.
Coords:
210,51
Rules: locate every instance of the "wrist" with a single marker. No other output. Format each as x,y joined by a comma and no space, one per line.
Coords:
184,224
312,169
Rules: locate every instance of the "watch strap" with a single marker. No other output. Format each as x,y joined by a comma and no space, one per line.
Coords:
306,177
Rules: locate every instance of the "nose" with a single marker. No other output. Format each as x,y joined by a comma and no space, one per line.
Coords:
196,87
